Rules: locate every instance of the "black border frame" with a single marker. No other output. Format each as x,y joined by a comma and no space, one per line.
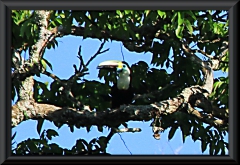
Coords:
5,80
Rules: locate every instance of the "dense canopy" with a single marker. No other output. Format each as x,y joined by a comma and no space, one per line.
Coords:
180,91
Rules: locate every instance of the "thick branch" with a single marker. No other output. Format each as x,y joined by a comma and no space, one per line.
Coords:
33,65
25,91
109,118
130,44
114,117
44,36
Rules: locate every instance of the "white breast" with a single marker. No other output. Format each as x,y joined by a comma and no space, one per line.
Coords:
123,82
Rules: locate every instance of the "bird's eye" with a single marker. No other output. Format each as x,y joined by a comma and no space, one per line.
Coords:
124,66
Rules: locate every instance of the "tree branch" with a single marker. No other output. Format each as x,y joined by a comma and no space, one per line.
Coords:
67,84
109,118
33,65
127,130
206,118
97,53
116,116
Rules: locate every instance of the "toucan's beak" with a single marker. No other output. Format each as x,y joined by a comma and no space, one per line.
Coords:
110,64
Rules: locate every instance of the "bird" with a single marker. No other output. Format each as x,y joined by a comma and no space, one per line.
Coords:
121,91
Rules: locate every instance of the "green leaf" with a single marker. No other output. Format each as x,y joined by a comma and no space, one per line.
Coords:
23,29
56,149
178,32
162,14
119,13
223,152
218,147
42,136
100,128
53,23
32,146
59,20
194,133
125,124
88,128
184,132
54,42
102,142
211,148
43,86
93,141
224,147
57,124
79,145
180,19
84,142
191,14
67,152
46,62
62,15
127,11
189,26
71,127
51,133
204,146
174,17
167,63
147,12
172,132
39,125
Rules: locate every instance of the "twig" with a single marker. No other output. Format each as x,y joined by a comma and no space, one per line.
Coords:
221,55
195,58
53,76
64,88
97,53
127,130
192,51
209,41
82,65
80,73
204,53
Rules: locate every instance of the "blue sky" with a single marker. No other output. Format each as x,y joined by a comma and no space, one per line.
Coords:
62,59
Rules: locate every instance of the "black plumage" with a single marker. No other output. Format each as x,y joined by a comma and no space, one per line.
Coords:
121,97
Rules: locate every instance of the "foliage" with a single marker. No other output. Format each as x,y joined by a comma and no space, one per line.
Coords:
160,32
42,146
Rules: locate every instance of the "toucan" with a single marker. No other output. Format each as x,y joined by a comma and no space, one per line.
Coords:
121,92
